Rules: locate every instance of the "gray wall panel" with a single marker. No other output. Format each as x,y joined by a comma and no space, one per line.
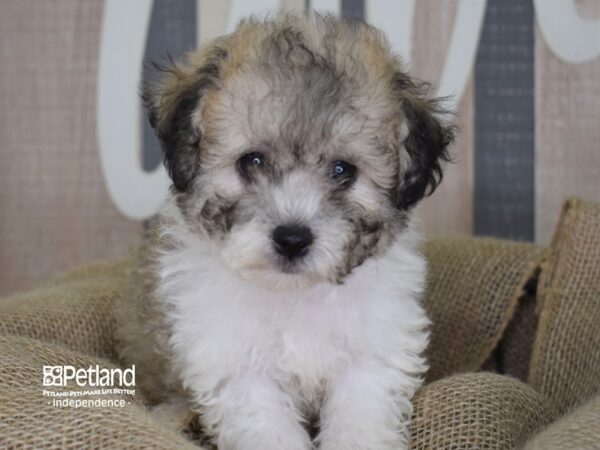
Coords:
504,122
172,31
354,9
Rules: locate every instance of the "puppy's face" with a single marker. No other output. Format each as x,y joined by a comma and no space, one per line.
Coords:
297,146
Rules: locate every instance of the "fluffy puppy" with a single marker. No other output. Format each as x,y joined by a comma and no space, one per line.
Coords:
281,290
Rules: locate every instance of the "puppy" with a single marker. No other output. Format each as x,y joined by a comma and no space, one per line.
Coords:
280,291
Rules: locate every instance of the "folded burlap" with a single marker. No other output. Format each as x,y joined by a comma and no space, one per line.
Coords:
565,365
514,351
473,288
578,430
74,310
29,420
475,411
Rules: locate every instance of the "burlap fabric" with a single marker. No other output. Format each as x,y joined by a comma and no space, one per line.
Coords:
74,310
474,286
476,411
578,430
565,365
514,351
70,320
29,420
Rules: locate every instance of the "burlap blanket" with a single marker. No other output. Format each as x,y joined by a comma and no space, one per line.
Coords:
484,305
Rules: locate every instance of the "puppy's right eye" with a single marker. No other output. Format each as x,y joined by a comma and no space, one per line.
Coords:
249,161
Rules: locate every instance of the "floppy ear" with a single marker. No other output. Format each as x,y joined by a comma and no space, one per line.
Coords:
173,103
426,142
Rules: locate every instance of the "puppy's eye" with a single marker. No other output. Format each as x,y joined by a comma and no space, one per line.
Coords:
250,160
343,172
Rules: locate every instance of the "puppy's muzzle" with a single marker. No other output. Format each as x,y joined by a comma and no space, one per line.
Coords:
292,241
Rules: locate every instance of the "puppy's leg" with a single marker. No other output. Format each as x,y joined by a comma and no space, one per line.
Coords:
367,409
251,412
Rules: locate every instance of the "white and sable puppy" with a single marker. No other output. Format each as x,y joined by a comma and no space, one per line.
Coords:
279,297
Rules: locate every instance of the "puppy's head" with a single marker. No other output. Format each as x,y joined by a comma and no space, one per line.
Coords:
297,146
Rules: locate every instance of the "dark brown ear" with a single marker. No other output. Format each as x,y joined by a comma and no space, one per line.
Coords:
426,143
172,101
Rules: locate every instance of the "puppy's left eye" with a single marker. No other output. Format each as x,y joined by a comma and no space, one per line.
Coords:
250,160
343,172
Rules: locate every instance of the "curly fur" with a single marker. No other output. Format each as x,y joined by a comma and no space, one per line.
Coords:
266,350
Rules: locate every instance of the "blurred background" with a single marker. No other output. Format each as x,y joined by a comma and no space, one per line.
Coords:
80,169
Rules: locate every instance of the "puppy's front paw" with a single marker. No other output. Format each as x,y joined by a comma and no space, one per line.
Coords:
252,413
353,440
264,440
360,412
278,433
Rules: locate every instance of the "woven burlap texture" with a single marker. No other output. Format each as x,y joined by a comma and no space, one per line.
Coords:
473,288
70,320
514,352
476,411
74,310
578,430
28,420
565,365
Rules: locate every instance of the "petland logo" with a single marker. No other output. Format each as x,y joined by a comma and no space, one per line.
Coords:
93,376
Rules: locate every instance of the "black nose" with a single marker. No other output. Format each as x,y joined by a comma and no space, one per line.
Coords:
292,241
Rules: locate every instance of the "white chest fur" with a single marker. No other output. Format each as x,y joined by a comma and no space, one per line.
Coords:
223,326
